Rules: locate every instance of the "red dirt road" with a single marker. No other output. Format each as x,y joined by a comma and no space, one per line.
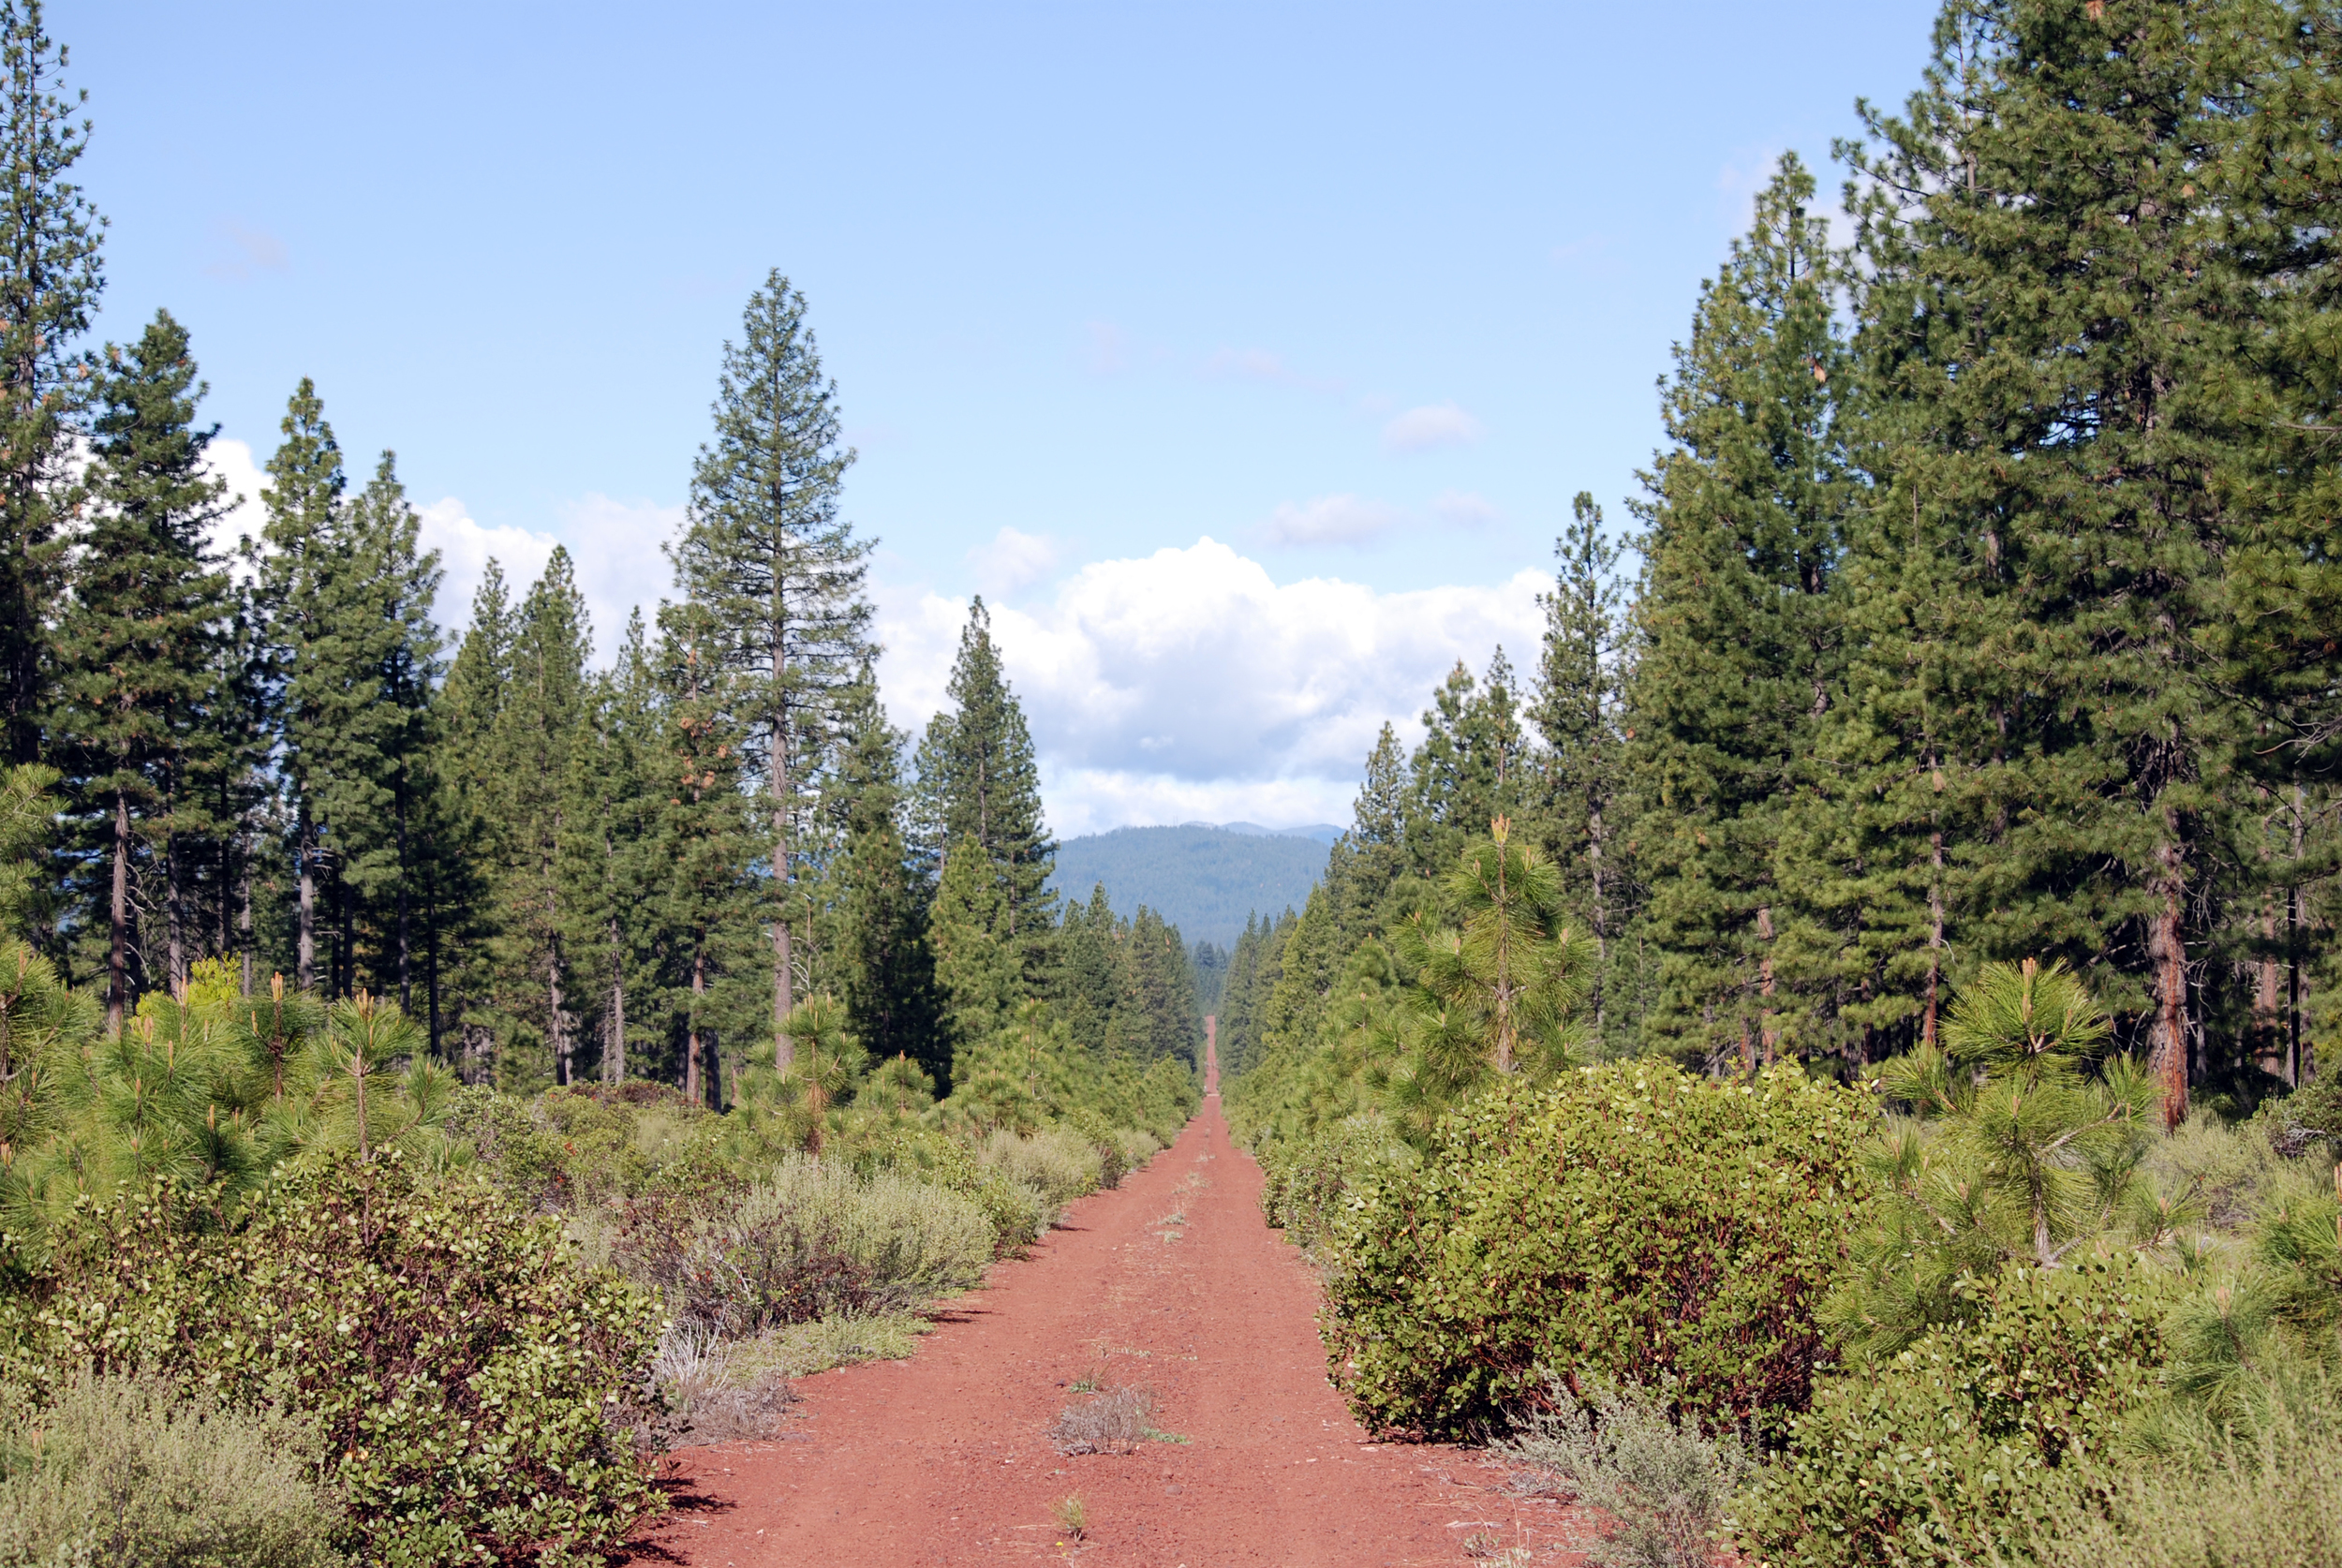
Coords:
944,1458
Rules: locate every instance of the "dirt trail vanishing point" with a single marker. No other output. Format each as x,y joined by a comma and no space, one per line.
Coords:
1177,1284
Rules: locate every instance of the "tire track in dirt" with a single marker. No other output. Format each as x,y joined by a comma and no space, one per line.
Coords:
944,1458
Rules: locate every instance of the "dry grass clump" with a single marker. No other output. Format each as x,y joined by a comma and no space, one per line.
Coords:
719,1390
1138,1148
803,1349
912,1242
710,1398
1112,1421
1624,1453
123,1471
2208,1173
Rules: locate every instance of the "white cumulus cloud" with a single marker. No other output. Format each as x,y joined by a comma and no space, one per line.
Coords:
1190,685
1329,520
1014,559
232,461
621,564
1431,427
614,545
465,550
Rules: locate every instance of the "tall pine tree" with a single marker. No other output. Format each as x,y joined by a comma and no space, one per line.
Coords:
303,580
139,647
2046,324
1576,708
886,971
543,718
1737,643
50,278
979,784
777,569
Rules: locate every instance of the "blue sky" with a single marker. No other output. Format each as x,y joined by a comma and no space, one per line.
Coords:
1361,295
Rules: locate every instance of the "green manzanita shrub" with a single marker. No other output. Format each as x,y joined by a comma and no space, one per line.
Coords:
1945,1451
475,1390
1306,1181
1628,1221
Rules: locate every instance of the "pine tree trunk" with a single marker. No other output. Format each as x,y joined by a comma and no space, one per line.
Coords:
1601,915
561,1064
1768,1031
1934,936
346,897
614,1057
2268,1027
692,1090
431,958
2298,1067
227,881
2167,957
243,917
304,918
118,955
174,912
405,1001
174,915
556,1030
1935,898
784,1049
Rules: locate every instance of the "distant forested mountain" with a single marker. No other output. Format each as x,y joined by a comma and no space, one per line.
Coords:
1202,879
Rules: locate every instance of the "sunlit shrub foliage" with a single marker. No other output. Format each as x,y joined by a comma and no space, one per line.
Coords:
1307,1181
1631,1222
127,1472
1940,1453
474,1388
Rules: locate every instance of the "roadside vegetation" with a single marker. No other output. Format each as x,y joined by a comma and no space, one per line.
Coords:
1838,1060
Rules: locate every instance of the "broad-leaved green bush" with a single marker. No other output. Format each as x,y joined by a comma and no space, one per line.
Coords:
125,1472
1630,1222
474,1388
1307,1180
1941,1453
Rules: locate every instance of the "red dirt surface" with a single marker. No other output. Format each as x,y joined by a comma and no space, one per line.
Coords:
945,1458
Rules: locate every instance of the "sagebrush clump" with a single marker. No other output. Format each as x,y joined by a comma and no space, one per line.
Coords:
809,1240
1664,1483
126,1471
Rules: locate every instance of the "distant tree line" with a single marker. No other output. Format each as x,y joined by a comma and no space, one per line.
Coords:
1988,599
561,871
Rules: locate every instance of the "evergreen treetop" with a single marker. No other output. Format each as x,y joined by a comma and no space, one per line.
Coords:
51,273
978,781
779,572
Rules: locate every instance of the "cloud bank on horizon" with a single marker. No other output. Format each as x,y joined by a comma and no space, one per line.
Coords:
1189,684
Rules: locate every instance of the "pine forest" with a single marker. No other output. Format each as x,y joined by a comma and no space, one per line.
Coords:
1827,1059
